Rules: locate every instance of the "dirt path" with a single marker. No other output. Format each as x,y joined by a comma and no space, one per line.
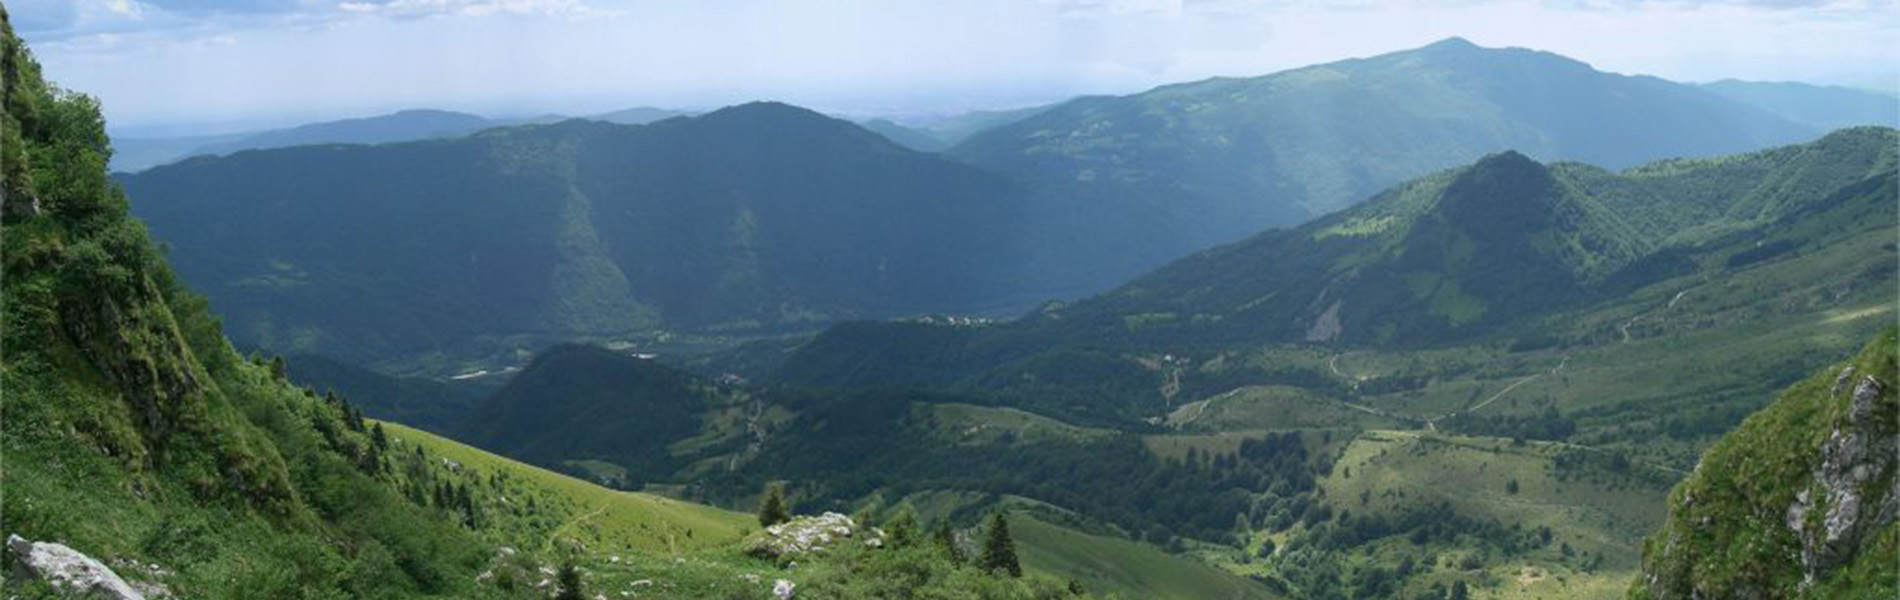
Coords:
1200,407
1333,365
556,534
1565,361
1507,389
1625,327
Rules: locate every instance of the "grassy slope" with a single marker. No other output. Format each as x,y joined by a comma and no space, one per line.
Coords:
1607,516
612,519
606,521
1111,565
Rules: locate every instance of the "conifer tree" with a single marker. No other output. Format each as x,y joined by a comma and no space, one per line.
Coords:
902,527
570,583
947,541
867,514
772,509
999,551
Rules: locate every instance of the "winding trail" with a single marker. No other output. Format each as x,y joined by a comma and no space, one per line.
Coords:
1625,327
1507,389
556,534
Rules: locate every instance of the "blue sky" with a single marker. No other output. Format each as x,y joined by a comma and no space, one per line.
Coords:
210,64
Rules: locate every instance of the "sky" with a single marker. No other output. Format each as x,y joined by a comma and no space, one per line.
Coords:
205,66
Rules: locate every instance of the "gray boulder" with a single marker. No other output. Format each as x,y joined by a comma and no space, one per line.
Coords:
804,535
70,571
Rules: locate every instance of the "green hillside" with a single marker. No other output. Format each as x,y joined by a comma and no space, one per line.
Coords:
600,518
577,406
1800,501
1506,251
135,432
1118,566
1462,252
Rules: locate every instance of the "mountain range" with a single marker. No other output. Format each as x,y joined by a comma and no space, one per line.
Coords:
748,219
131,154
1184,167
684,227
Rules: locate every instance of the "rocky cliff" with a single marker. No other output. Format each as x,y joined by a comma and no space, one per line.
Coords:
1801,501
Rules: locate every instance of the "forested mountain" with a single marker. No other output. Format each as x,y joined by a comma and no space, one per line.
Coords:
1492,249
750,218
609,407
1821,107
1463,251
414,401
1187,166
1801,501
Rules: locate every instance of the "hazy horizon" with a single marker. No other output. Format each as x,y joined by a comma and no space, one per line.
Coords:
159,65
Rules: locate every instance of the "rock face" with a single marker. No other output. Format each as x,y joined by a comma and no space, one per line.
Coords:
70,571
805,535
1801,501
1854,493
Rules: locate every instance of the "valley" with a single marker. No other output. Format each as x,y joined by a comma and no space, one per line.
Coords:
1452,322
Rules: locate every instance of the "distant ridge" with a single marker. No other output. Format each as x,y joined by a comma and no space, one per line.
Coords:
1187,166
753,218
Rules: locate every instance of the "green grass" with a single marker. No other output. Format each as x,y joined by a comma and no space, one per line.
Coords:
1269,408
1110,565
1473,474
971,424
608,518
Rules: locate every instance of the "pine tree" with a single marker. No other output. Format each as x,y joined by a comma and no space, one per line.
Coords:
570,582
902,527
1460,591
772,509
947,541
999,551
867,513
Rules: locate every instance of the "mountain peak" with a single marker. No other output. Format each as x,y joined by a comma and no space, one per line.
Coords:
1452,43
1506,160
789,126
764,109
1503,187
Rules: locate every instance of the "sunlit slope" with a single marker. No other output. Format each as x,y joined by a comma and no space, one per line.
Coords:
611,518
